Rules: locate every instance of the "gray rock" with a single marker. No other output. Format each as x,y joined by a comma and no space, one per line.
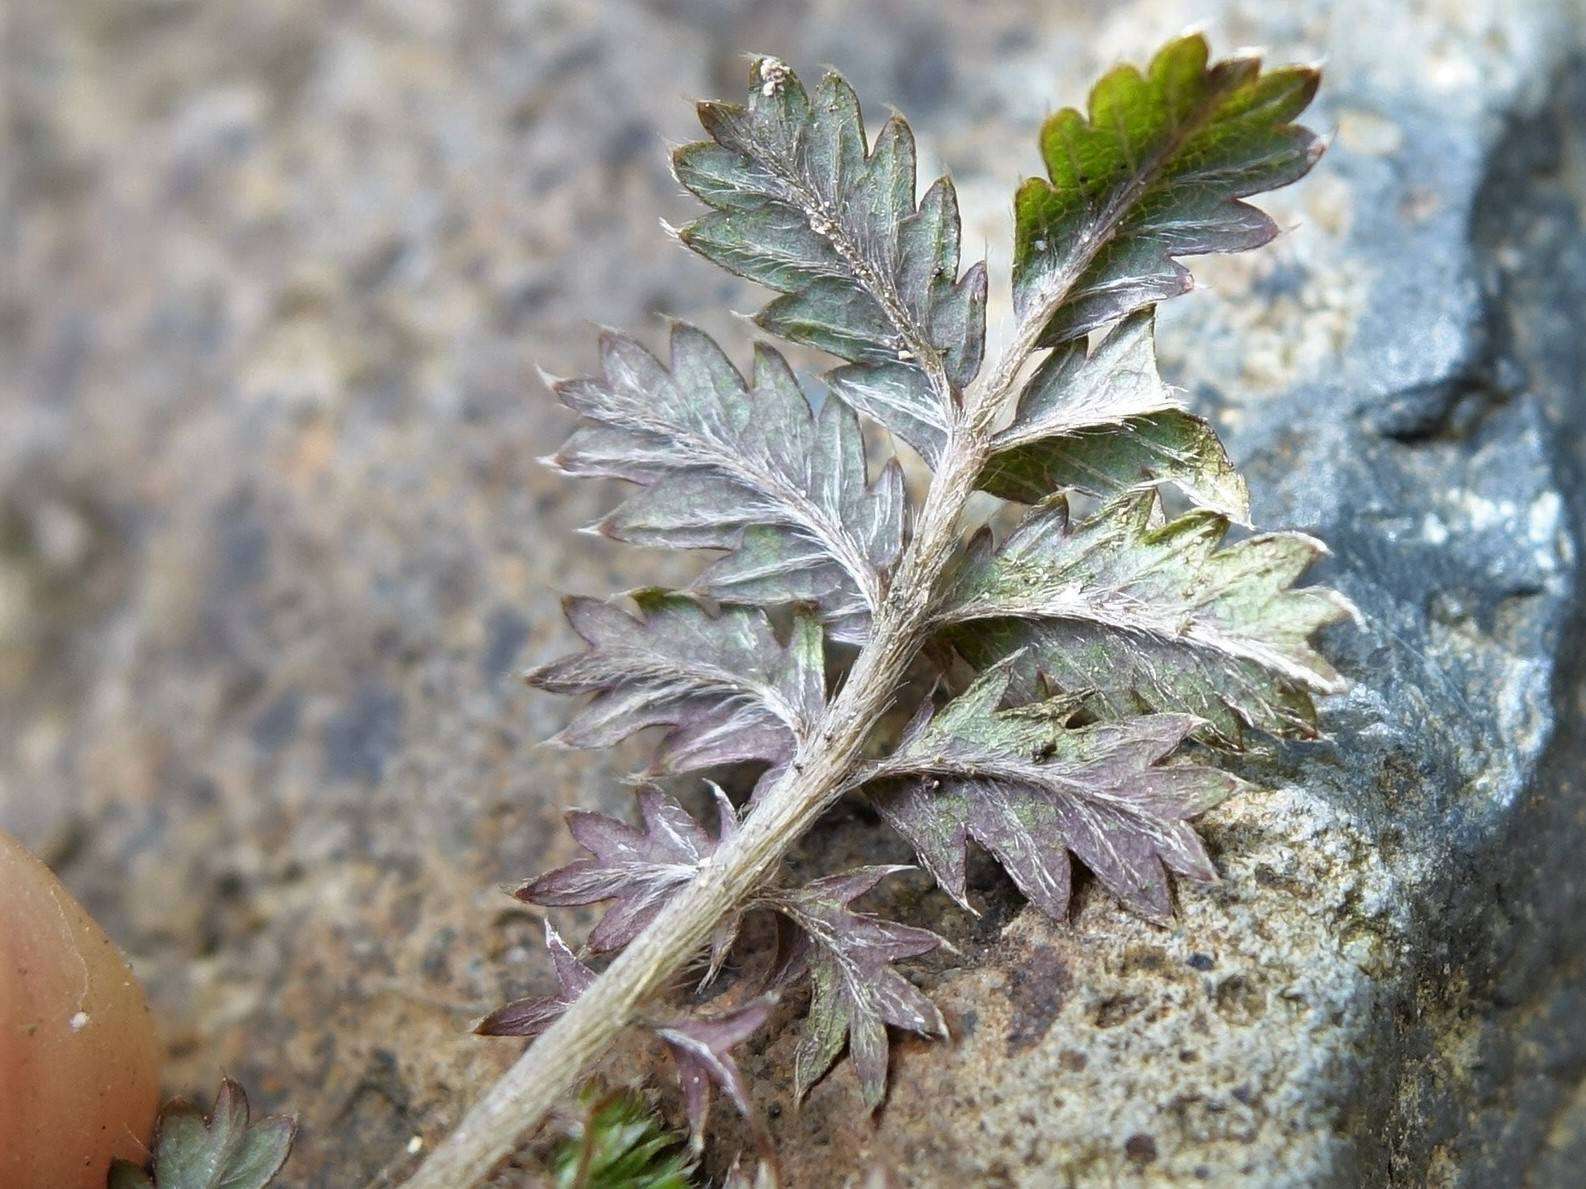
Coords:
271,537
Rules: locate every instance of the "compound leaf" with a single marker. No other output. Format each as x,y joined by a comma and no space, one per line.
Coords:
802,205
1031,789
1147,616
1155,171
1103,644
746,467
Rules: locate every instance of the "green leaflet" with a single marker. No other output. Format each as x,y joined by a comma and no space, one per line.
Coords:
1103,422
1168,446
220,1150
1154,172
1150,617
802,206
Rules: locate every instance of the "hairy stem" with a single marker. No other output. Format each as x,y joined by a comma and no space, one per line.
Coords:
552,1066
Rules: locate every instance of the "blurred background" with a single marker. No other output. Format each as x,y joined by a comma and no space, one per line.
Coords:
274,282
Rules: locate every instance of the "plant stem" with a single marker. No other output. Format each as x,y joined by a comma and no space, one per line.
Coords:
552,1066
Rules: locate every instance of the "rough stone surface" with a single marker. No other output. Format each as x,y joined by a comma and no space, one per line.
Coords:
272,543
